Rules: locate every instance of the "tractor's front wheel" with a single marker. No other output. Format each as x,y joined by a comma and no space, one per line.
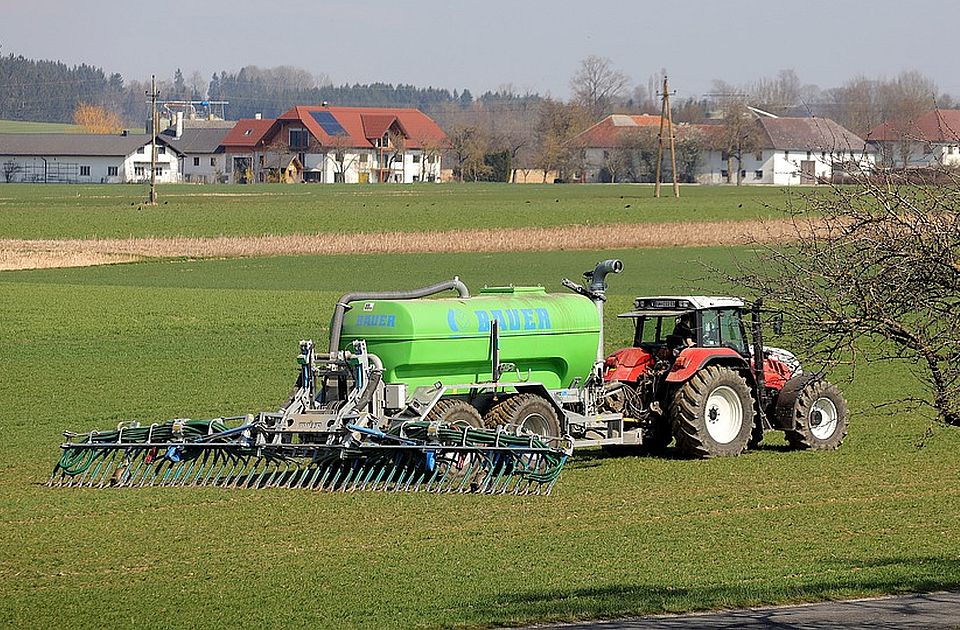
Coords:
818,416
712,414
526,411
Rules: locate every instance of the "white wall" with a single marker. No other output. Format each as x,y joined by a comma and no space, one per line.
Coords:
68,168
136,166
781,168
65,169
205,172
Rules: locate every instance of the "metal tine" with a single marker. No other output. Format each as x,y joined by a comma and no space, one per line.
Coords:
204,463
189,471
83,476
237,464
215,465
140,456
102,466
241,478
116,466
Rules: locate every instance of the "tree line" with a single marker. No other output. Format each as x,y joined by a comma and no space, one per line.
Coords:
494,135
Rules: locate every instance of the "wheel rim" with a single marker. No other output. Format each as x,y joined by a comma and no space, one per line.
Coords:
535,423
723,414
823,418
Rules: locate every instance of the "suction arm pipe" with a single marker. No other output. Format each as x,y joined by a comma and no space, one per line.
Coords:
343,304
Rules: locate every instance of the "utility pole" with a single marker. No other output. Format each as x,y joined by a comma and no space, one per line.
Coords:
154,123
666,115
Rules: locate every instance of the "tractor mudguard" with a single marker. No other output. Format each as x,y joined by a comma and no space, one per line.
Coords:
787,398
628,364
692,360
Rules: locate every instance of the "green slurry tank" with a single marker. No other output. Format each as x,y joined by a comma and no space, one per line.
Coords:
551,338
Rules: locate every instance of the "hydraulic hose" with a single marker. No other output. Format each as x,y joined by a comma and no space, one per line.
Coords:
336,324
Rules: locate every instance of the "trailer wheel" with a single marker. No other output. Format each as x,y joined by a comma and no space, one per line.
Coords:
454,411
527,411
819,417
712,414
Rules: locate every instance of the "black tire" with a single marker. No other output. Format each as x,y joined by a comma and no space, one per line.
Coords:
818,415
527,411
454,411
699,430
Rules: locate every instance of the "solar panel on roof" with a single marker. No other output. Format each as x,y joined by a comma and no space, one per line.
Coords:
329,124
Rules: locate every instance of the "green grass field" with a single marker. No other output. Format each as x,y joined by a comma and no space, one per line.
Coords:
84,348
23,126
115,211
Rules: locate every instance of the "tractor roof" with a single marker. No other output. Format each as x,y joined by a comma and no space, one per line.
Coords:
673,305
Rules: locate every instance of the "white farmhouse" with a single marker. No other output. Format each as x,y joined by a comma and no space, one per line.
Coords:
930,141
788,152
84,158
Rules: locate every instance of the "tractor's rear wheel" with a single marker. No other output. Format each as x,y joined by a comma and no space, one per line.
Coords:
527,411
819,417
712,414
454,411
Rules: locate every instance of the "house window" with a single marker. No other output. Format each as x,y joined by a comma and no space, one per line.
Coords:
196,161
758,174
724,173
786,155
416,178
85,171
823,155
809,155
140,150
724,156
416,158
432,159
161,149
112,171
213,161
138,171
758,156
158,171
743,174
299,138
606,155
363,158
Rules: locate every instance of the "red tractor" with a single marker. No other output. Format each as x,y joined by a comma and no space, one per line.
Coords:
692,375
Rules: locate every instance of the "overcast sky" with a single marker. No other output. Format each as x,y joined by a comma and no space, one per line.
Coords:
484,44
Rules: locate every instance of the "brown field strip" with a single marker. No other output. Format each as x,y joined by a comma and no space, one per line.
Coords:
34,254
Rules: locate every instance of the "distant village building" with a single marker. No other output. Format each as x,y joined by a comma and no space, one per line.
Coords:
607,147
199,144
788,152
932,140
336,145
85,158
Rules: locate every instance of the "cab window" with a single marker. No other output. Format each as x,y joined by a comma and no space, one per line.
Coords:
710,324
649,331
731,330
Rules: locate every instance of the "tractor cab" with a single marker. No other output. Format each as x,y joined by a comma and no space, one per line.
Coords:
673,324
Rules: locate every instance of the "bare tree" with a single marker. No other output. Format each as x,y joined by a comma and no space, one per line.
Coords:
738,137
597,85
875,276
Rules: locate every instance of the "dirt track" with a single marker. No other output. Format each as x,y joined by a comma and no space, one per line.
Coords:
35,254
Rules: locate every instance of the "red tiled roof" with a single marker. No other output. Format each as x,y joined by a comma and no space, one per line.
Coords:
362,125
606,133
246,133
939,125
